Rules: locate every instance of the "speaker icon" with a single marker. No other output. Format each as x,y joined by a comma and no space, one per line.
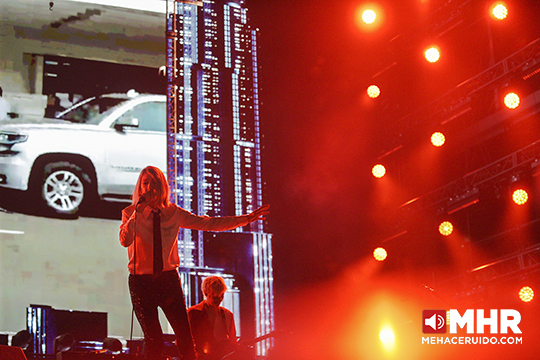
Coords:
434,321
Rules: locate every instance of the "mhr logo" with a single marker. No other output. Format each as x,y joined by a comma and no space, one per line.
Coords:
499,321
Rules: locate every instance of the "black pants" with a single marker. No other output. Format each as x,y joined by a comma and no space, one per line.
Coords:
149,292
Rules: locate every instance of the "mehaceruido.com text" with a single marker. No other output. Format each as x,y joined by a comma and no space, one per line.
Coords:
472,340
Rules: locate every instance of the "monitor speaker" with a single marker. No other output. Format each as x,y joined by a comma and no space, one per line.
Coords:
11,353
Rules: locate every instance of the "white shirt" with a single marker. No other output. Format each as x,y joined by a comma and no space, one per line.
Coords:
173,218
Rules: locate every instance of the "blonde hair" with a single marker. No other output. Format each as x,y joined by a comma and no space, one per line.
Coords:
215,283
161,182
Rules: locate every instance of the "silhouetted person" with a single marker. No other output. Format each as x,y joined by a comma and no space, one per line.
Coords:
149,230
212,326
53,106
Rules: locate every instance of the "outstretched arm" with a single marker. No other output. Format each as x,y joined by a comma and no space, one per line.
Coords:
259,214
190,221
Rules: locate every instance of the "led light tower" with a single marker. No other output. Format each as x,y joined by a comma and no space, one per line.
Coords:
213,146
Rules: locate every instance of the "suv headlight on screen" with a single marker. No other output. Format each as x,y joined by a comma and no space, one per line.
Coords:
8,139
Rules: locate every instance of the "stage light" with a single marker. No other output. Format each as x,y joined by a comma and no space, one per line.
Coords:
373,91
437,139
499,11
112,345
369,16
432,54
446,228
511,100
378,171
526,294
380,254
63,342
520,196
387,336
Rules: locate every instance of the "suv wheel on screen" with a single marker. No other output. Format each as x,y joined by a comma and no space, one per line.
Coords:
65,186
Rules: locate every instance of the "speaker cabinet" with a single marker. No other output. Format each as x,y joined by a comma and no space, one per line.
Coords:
11,353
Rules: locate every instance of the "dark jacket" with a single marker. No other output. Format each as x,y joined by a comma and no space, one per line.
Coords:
207,347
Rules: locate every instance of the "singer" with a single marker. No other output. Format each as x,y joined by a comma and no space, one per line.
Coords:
149,230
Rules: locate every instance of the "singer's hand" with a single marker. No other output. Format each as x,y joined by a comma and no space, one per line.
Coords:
260,213
143,201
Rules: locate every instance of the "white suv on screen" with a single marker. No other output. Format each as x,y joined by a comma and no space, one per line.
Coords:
94,149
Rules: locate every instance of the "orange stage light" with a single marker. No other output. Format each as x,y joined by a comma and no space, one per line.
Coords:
369,16
511,100
380,254
437,139
387,336
446,228
378,171
520,196
499,11
373,91
526,294
432,54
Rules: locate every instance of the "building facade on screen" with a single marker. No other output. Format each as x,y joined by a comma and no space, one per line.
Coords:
214,151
